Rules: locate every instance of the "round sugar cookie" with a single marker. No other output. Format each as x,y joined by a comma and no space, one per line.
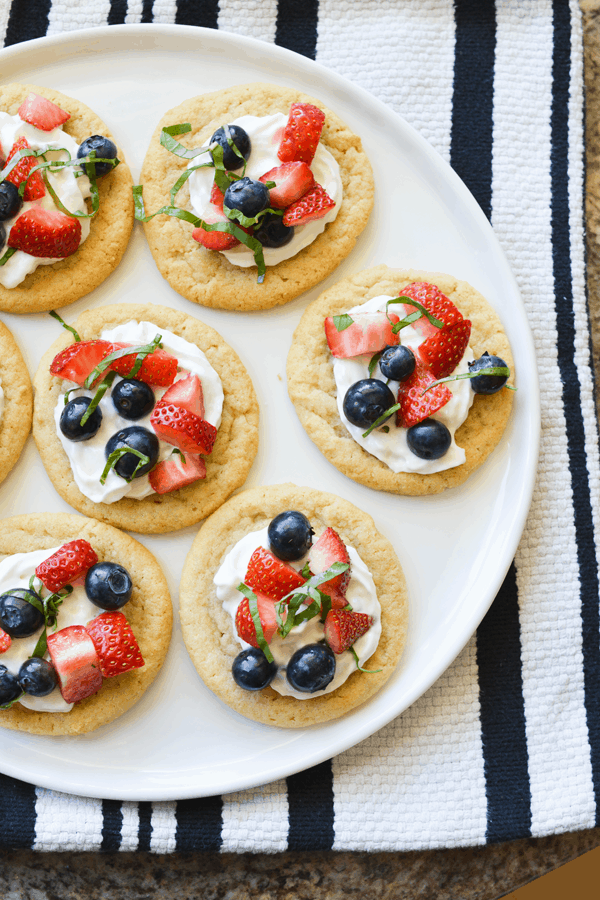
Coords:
205,276
234,450
15,421
312,387
63,282
149,613
208,630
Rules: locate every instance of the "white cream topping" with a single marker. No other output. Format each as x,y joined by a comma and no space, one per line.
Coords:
361,594
71,191
88,459
265,136
391,447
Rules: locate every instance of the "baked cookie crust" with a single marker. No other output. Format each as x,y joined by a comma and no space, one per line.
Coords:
226,468
205,276
312,387
149,613
207,628
51,287
15,423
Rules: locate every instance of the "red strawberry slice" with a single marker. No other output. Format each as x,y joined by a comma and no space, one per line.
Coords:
78,360
35,188
436,303
443,351
214,240
158,368
368,333
416,406
343,628
292,181
76,662
315,204
45,233
69,562
186,393
115,644
302,133
270,575
5,641
216,196
42,113
183,429
244,623
326,551
172,474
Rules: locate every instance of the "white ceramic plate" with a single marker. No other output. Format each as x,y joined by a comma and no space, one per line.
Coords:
180,741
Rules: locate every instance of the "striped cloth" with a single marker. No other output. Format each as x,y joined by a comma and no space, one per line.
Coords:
507,743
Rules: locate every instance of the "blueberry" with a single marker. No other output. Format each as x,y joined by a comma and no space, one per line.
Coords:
37,677
108,585
9,686
71,416
104,148
311,668
2,236
290,535
19,617
248,196
240,138
252,671
397,362
487,384
133,399
10,202
429,439
272,232
137,438
366,401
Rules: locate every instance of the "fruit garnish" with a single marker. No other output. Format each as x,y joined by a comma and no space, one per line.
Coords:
76,662
182,428
172,474
256,620
291,181
131,452
70,328
115,644
431,300
45,233
302,133
144,362
415,402
79,361
327,550
349,336
315,204
18,170
443,351
5,641
270,575
42,113
186,393
342,628
368,403
67,564
211,239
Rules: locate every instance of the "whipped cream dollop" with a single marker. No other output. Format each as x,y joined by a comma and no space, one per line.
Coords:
76,609
265,136
71,185
87,458
361,595
391,447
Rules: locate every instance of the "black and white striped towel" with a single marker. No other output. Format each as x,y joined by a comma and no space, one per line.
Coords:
507,743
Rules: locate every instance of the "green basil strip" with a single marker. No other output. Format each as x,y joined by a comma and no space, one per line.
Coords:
10,252
167,140
373,362
56,316
492,370
62,207
309,613
408,301
177,451
42,644
342,322
325,606
315,580
19,155
141,352
100,392
253,605
293,606
381,419
360,668
116,455
37,602
246,221
53,601
183,178
305,571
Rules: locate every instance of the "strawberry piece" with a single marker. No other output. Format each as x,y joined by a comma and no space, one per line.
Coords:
343,628
42,113
158,368
326,551
76,662
302,133
271,576
292,180
244,623
436,303
338,599
78,360
5,641
69,562
216,196
443,351
183,429
368,333
34,189
315,204
172,474
45,233
414,407
186,393
214,240
114,643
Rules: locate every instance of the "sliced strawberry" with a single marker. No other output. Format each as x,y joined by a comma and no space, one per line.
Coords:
338,599
5,641
244,624
342,628
270,575
368,333
42,113
214,240
436,303
158,367
35,189
326,551
292,181
416,406
183,429
45,233
443,351
69,562
186,393
76,662
217,196
315,204
172,474
302,133
78,360
115,644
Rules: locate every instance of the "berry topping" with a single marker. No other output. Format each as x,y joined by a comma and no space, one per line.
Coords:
311,668
186,393
183,429
248,196
359,333
487,384
158,367
343,628
2,236
115,644
104,148
76,662
108,585
45,233
42,113
290,535
429,439
132,399
37,677
34,189
71,416
252,671
292,181
18,616
10,202
302,133
416,405
240,138
172,474
214,240
315,204
443,351
244,623
78,360
5,641
436,303
270,575
216,196
397,362
326,551
68,564
271,232
135,438
9,686
366,401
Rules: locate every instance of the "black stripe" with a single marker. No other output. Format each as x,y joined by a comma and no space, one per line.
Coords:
503,717
147,11
310,802
584,527
17,814
199,824
117,12
297,26
197,12
112,824
28,19
144,825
